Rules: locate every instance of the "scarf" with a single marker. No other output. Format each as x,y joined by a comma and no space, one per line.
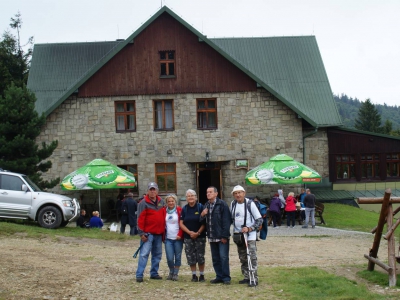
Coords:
171,211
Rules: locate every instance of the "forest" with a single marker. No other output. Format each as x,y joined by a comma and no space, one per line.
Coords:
348,109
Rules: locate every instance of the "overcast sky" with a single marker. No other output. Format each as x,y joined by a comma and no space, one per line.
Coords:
359,40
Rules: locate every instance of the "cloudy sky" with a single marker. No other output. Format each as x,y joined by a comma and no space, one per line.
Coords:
359,40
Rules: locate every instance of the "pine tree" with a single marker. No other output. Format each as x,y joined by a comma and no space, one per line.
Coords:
20,124
368,118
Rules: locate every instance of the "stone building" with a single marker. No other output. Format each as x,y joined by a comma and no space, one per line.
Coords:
176,107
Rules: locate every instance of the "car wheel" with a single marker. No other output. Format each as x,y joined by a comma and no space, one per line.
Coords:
50,217
64,223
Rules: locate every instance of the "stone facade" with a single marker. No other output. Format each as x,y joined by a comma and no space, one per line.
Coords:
251,125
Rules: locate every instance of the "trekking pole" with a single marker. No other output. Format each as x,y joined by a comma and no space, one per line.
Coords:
252,278
138,250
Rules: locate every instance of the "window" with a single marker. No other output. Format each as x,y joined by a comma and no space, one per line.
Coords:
167,64
125,116
392,164
11,183
369,165
166,178
345,167
163,115
133,170
206,113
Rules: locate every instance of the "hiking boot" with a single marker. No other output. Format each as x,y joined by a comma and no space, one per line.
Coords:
214,281
175,277
313,226
158,277
244,281
228,282
253,284
305,226
195,278
170,276
201,278
139,279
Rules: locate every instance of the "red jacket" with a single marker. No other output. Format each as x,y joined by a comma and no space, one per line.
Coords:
179,211
150,216
290,203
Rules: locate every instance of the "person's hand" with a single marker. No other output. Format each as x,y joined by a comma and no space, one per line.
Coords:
193,234
144,238
178,237
245,229
224,240
204,212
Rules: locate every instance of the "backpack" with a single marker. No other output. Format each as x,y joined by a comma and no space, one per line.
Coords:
248,206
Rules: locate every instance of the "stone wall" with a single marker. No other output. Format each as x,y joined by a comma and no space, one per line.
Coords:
252,125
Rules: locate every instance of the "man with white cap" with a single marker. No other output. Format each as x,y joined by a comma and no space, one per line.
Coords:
151,226
246,219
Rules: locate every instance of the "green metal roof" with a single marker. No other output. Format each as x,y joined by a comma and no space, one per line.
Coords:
289,68
327,194
369,133
55,68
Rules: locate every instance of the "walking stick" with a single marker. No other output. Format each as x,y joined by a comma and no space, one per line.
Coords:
138,250
252,277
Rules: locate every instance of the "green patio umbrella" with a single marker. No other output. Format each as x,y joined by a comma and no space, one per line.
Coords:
97,175
282,169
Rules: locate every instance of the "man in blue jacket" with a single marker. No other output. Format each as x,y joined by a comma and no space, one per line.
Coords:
218,221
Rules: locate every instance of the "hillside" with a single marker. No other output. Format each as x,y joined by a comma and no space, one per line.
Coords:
348,108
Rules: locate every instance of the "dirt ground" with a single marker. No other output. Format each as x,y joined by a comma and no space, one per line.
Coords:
73,268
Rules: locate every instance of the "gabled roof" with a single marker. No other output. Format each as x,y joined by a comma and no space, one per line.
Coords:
290,68
368,133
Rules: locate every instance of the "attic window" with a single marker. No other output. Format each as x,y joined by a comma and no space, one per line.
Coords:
167,64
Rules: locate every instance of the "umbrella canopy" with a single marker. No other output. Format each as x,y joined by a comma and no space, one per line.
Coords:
282,169
98,174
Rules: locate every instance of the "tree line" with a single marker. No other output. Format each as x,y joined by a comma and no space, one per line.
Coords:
367,116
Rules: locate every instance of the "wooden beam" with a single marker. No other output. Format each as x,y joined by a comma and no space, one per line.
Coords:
391,230
378,235
396,211
379,263
377,200
391,249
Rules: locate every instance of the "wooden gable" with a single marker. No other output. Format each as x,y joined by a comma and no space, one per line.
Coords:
135,69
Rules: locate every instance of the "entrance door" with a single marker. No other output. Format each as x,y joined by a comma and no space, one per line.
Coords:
208,174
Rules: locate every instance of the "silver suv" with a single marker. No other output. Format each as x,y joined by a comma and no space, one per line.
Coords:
20,198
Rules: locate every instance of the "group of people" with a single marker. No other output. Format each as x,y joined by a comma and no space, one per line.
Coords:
164,221
305,202
94,222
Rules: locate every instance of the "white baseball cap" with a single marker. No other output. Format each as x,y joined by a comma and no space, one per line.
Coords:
238,188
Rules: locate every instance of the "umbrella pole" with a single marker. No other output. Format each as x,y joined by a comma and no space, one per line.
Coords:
99,205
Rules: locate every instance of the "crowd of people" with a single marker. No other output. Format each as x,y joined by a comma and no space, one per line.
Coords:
159,221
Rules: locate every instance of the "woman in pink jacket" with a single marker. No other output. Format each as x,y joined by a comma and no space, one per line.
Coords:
290,209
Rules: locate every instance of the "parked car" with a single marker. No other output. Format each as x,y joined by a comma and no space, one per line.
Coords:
20,198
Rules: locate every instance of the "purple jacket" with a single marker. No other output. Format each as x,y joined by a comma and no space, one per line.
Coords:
275,205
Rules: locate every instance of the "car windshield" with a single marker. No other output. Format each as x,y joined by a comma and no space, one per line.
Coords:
33,186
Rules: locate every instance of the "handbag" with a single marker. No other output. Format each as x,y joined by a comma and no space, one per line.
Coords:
238,238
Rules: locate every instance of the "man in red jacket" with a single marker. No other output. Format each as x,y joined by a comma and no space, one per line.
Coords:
151,226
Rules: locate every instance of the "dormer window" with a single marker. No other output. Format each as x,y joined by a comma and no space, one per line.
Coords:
167,64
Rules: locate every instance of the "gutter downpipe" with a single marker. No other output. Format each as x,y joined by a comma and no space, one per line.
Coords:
304,145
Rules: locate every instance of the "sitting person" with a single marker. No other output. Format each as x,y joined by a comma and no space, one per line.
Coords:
82,222
95,221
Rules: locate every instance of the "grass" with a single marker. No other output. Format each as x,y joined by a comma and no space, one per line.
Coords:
33,230
348,217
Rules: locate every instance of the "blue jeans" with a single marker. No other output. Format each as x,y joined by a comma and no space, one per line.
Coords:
173,251
308,212
220,259
153,245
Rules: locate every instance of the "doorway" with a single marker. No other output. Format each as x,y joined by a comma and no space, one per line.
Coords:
208,174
